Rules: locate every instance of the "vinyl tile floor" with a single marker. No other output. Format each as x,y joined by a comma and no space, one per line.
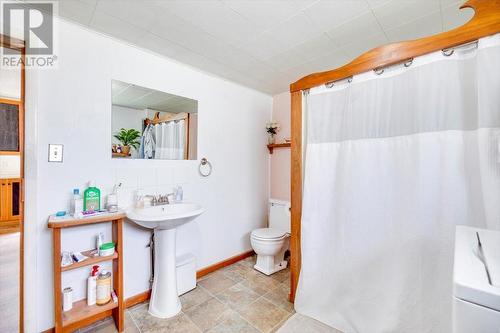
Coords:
236,298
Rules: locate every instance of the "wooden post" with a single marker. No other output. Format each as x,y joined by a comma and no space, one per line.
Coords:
296,189
118,313
56,246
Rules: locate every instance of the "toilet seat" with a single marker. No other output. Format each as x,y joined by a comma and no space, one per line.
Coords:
271,234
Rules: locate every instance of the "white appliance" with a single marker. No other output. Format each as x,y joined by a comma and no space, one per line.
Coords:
476,285
271,243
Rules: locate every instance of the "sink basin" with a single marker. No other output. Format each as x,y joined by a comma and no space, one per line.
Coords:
165,216
164,220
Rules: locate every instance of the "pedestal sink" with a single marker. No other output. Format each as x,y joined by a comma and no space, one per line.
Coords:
164,219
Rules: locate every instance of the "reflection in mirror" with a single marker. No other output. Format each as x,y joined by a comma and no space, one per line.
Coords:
150,124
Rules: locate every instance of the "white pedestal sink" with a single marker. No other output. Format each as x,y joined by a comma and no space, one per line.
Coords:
164,220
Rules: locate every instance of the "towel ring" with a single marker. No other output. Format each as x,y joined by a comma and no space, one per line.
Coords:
204,162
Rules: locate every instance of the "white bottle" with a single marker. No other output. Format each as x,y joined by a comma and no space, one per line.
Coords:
92,286
77,203
179,194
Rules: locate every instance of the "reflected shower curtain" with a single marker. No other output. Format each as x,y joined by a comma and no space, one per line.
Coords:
170,140
392,164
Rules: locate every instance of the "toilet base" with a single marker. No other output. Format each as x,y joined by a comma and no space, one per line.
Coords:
268,270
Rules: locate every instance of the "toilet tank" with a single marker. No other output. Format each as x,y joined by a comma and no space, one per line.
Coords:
279,214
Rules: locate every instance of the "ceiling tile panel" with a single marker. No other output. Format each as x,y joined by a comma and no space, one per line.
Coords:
328,14
294,31
115,27
353,29
76,10
395,13
424,26
267,14
133,12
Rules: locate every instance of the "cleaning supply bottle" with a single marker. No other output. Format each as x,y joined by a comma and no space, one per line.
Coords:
77,203
91,198
92,286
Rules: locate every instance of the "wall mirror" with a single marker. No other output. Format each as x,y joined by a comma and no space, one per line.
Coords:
151,124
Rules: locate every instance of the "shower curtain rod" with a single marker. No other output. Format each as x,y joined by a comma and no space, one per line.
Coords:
485,22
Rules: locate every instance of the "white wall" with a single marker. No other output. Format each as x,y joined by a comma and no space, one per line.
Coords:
72,105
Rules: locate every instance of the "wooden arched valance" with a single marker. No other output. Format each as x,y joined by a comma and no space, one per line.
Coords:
486,22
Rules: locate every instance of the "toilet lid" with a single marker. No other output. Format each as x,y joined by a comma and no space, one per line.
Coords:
268,233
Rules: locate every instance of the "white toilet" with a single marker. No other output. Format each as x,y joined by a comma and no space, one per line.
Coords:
271,243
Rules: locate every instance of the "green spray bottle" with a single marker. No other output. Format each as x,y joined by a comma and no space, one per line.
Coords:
91,198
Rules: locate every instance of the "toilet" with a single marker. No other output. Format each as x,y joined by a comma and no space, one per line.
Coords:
270,244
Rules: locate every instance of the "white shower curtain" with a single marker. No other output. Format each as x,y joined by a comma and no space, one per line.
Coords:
392,164
170,140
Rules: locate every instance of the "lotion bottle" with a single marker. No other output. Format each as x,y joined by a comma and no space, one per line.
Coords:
92,286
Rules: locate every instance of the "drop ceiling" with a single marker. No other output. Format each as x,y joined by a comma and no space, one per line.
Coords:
140,98
264,44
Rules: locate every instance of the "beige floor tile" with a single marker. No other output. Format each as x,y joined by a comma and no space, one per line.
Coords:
194,297
263,315
282,275
148,323
216,283
301,324
9,282
260,283
208,314
237,296
249,262
234,324
108,326
279,296
238,272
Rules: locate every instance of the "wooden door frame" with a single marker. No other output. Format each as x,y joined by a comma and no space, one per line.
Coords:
18,45
486,22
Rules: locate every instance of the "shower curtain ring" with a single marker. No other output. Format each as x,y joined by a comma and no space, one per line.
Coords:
329,84
448,52
409,62
378,71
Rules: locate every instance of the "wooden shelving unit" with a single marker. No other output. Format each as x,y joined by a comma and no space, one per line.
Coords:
278,145
122,155
81,314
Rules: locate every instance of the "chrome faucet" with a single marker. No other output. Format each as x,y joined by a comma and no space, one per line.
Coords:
161,199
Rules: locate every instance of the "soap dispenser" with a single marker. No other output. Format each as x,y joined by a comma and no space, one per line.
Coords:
91,198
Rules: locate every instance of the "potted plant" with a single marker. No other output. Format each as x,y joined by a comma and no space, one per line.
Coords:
128,138
272,129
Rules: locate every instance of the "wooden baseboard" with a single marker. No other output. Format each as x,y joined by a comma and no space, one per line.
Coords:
136,299
144,296
222,264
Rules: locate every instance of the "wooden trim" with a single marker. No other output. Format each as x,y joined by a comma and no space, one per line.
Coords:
12,153
56,223
222,264
137,299
11,101
296,191
11,43
486,21
271,147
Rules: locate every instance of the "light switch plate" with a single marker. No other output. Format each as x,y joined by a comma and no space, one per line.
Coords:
55,153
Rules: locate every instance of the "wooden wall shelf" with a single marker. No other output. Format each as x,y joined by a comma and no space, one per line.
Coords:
278,145
81,314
